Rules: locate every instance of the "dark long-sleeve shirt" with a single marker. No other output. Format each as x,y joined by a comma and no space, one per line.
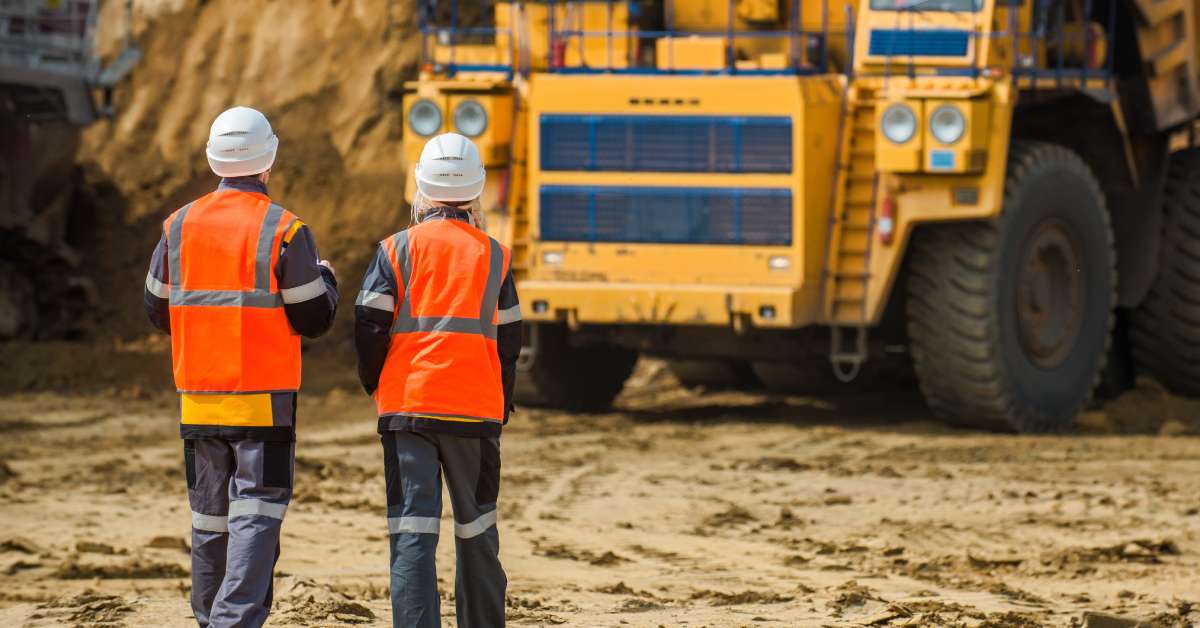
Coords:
309,290
373,320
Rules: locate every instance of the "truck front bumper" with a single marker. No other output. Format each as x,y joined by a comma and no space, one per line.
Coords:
594,303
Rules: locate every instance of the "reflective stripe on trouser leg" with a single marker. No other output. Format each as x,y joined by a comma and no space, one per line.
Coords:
414,498
256,509
209,467
472,468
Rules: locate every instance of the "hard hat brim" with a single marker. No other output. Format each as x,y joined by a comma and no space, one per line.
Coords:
244,166
451,193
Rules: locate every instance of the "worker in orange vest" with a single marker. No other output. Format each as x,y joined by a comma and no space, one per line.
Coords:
235,280
438,332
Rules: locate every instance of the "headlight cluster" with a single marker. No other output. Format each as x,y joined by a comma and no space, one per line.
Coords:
947,124
899,124
470,118
425,118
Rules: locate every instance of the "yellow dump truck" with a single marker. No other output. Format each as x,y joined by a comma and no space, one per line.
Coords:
1002,193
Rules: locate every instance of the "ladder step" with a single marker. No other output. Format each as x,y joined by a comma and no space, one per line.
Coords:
851,290
856,217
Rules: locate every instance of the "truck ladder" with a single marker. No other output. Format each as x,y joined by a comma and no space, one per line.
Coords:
852,225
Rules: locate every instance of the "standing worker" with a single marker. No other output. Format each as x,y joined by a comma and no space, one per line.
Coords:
235,280
438,332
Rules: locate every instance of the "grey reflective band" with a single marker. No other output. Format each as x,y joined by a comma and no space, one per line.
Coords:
413,525
260,297
156,287
405,264
248,507
510,315
476,527
407,323
210,523
262,258
443,323
225,298
377,300
175,245
300,294
491,293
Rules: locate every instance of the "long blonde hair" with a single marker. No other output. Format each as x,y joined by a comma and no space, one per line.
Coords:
423,206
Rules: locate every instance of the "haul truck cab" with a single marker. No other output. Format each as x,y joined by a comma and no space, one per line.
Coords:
982,187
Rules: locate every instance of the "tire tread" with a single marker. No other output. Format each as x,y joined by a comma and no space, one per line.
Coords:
952,331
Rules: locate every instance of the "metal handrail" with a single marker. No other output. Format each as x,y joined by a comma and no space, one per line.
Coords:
559,35
38,36
801,44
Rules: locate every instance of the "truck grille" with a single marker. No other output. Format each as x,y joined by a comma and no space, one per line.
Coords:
640,143
919,43
761,216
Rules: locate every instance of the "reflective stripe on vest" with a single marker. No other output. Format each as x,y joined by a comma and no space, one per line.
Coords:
230,333
442,362
484,325
260,296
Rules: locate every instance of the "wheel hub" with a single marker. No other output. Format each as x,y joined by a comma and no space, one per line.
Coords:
1050,295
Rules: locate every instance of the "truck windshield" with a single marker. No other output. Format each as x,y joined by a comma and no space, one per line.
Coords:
927,5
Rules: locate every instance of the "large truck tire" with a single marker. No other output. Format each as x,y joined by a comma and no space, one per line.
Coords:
554,374
1166,326
1009,320
713,374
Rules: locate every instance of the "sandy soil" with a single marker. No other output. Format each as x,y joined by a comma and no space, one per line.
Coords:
718,509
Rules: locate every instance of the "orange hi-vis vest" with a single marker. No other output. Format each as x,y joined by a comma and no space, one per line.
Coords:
442,361
231,343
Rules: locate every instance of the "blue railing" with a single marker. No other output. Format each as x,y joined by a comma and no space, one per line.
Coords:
804,51
632,50
904,42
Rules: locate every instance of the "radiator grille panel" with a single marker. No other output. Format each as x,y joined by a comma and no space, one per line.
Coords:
620,143
666,215
919,43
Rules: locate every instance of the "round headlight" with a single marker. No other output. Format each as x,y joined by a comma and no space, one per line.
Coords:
899,123
947,124
424,118
470,118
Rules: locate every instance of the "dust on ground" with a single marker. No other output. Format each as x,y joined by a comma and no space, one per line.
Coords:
714,509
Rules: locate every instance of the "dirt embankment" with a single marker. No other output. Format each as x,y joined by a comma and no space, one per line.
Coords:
329,75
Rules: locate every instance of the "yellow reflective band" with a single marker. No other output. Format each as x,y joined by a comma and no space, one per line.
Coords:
291,232
447,418
234,410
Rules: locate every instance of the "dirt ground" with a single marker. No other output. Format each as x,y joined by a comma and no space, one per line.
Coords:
681,508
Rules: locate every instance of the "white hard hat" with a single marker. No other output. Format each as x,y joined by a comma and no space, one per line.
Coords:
241,143
450,169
